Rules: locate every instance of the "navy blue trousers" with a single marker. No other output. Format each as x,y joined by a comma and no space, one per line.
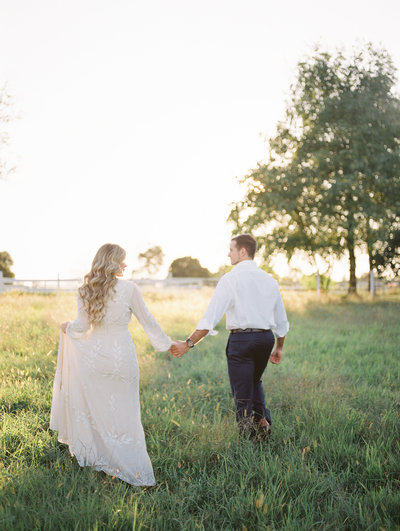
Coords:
247,355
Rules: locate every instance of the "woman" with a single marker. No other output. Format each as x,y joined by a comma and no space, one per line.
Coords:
95,407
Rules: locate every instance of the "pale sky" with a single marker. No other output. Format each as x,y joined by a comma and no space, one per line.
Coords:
136,117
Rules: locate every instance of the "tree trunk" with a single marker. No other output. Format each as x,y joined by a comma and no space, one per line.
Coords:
369,251
371,267
353,279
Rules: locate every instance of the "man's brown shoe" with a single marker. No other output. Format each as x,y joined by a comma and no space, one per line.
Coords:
264,428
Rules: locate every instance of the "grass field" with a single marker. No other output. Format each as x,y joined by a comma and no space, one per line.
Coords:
332,462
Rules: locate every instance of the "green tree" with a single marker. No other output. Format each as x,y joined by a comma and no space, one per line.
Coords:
386,257
188,267
332,176
5,264
152,259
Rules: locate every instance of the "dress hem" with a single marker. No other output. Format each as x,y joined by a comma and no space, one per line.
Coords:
105,469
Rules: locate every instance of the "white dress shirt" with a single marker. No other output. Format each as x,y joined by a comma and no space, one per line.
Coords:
250,298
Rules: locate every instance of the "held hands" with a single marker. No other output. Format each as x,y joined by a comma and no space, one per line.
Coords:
64,327
178,348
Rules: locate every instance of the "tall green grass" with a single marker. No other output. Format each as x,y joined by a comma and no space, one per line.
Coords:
332,462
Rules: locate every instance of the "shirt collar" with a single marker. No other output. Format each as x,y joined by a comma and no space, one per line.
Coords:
246,264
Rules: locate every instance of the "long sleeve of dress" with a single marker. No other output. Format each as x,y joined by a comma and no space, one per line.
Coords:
154,332
78,328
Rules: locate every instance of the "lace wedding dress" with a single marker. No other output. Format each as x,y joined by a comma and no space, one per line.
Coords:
95,406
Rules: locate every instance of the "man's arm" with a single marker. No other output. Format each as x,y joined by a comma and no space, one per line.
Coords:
218,305
179,348
281,328
276,356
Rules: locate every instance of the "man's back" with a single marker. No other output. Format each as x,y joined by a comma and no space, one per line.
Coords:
250,298
255,298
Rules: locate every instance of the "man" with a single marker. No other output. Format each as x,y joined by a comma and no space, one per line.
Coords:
253,306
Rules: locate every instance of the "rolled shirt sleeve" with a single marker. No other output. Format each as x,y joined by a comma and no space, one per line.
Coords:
281,327
154,332
220,302
77,329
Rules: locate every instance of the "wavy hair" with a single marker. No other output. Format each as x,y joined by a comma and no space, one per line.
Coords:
100,282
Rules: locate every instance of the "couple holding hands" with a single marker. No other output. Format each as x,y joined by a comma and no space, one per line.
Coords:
96,406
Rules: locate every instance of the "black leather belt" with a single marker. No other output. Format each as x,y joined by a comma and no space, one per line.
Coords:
240,330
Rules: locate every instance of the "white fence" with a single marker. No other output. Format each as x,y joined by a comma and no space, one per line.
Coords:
72,284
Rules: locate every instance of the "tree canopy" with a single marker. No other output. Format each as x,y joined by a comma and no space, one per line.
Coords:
386,257
5,264
152,259
188,267
332,177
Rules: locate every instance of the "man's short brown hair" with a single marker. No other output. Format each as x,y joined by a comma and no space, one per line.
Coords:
246,241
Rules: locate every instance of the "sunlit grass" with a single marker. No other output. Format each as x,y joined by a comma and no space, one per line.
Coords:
332,463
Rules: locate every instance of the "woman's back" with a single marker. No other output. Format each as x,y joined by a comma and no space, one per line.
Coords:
96,407
118,306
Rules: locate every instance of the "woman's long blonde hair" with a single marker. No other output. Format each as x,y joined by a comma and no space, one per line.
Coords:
100,282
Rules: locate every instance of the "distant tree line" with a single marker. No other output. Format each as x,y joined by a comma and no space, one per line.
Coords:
152,260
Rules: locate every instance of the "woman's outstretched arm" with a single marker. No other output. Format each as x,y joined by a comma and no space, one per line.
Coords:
158,338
